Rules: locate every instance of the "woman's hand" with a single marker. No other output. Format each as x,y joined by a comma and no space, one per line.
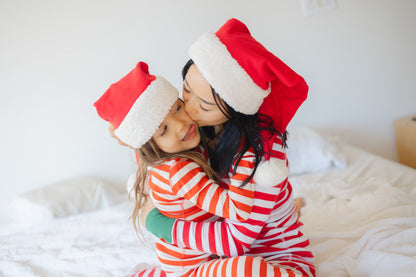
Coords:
145,209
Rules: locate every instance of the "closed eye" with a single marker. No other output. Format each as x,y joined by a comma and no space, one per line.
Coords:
164,130
206,110
186,87
186,90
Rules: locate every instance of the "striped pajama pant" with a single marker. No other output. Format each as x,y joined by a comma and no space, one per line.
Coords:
197,264
227,267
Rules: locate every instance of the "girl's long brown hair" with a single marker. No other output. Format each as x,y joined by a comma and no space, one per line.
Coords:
151,155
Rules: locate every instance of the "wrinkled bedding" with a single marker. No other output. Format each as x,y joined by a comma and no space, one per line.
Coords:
361,221
101,243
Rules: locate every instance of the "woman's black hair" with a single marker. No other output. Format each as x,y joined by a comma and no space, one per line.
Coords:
240,132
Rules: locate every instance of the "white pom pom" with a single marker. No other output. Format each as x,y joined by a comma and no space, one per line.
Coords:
271,173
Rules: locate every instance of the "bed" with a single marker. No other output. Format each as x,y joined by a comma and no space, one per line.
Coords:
359,213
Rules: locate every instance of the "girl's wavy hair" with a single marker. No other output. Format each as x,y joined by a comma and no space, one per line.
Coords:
241,132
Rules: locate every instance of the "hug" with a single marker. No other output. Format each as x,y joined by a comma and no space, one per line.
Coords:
212,181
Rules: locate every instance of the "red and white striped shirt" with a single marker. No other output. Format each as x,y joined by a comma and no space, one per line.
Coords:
271,231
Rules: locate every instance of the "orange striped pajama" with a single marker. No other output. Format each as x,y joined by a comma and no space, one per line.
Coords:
240,266
271,222
181,189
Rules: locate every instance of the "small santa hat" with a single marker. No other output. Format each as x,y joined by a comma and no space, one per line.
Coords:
251,79
137,105
243,72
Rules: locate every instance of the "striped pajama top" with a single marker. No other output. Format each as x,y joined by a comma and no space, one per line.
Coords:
271,231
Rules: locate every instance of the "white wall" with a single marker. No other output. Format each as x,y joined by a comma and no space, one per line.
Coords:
58,57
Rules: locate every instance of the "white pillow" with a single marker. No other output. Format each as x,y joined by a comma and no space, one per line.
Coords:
69,197
308,152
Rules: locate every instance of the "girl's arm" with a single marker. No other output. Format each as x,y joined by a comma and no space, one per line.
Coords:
188,180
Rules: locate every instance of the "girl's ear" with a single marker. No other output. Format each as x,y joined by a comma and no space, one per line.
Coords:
111,129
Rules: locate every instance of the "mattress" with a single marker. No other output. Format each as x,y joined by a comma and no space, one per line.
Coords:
361,221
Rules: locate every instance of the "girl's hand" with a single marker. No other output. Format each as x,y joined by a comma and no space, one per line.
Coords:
144,211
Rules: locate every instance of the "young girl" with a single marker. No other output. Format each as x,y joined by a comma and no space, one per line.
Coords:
250,87
165,137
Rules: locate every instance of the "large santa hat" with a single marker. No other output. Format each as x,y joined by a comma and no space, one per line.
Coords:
137,105
251,79
243,72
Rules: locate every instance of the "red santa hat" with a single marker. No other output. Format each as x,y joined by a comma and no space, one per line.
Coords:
243,72
250,79
137,105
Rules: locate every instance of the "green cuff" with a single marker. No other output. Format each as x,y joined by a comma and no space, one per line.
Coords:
160,225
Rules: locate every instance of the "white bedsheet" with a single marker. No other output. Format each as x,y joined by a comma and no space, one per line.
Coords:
101,243
361,221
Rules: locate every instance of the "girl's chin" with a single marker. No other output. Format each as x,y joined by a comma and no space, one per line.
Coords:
196,140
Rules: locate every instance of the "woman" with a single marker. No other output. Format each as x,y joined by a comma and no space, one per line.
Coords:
233,81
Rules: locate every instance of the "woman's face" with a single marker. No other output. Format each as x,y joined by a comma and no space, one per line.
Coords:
178,132
199,101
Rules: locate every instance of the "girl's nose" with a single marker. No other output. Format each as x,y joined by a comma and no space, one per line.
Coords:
180,119
180,125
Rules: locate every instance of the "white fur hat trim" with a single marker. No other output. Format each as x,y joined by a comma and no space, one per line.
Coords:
225,75
147,113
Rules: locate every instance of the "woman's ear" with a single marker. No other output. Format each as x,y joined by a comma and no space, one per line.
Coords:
111,129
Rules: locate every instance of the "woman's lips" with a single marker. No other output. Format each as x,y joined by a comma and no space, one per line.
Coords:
191,133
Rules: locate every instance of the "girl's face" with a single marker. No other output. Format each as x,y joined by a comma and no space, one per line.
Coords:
199,101
178,132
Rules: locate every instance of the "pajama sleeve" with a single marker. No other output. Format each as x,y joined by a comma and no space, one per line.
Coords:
189,181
